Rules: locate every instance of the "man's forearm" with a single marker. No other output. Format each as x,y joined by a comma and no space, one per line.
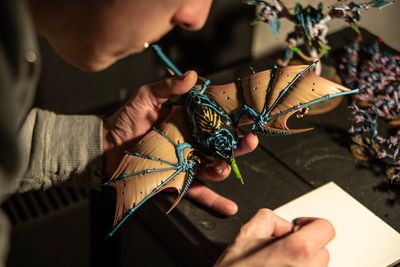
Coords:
56,148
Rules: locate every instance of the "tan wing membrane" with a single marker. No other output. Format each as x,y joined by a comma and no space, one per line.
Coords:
226,96
308,87
263,88
301,84
255,89
136,177
279,125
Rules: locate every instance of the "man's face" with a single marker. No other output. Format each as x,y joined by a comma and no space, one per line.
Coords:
92,35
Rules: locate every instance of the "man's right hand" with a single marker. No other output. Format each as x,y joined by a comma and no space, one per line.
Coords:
269,240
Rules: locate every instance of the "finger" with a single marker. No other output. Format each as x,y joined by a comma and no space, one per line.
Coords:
247,144
219,169
302,221
265,224
208,198
321,259
316,233
173,86
215,171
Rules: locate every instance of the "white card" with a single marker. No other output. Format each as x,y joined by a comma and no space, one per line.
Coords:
362,238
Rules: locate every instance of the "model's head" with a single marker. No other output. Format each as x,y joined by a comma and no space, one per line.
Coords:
93,34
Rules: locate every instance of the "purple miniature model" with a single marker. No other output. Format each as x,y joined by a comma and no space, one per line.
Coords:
377,73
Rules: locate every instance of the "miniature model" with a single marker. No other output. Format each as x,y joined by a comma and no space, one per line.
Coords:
369,145
205,126
310,24
377,74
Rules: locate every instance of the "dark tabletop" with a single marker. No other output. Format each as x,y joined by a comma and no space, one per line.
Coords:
279,170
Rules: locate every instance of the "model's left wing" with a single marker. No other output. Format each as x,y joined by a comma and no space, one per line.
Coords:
159,161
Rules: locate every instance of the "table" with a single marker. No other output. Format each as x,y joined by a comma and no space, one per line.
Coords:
281,169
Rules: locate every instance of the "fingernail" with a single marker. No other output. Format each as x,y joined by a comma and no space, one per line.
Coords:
300,222
296,225
218,169
219,166
297,221
303,220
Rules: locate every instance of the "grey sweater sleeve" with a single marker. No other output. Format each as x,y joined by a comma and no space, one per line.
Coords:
56,148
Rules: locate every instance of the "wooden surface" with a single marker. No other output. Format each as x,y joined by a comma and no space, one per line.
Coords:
281,169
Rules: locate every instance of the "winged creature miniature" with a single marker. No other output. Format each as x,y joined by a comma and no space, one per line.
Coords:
310,24
205,126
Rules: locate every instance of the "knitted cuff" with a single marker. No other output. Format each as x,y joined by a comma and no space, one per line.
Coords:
60,147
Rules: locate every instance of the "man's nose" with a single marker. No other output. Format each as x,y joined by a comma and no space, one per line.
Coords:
192,15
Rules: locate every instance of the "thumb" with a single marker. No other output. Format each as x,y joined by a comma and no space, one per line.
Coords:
174,86
264,224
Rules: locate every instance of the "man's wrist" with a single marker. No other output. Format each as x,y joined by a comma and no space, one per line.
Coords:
110,146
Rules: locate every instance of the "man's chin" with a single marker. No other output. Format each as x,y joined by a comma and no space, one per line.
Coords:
93,65
93,61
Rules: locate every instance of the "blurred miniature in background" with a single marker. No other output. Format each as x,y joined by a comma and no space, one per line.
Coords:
376,109
310,24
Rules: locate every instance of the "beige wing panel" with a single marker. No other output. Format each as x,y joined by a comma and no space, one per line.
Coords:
138,177
227,96
307,88
255,89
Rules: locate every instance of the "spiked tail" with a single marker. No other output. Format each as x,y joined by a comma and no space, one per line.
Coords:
236,170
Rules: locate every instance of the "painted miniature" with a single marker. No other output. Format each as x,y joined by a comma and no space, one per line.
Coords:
376,109
205,126
377,74
310,25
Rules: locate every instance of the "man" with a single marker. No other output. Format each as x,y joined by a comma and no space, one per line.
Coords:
50,148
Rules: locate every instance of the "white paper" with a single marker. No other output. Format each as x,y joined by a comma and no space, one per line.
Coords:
362,238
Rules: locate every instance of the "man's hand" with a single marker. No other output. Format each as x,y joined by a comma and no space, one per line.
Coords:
136,118
269,240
